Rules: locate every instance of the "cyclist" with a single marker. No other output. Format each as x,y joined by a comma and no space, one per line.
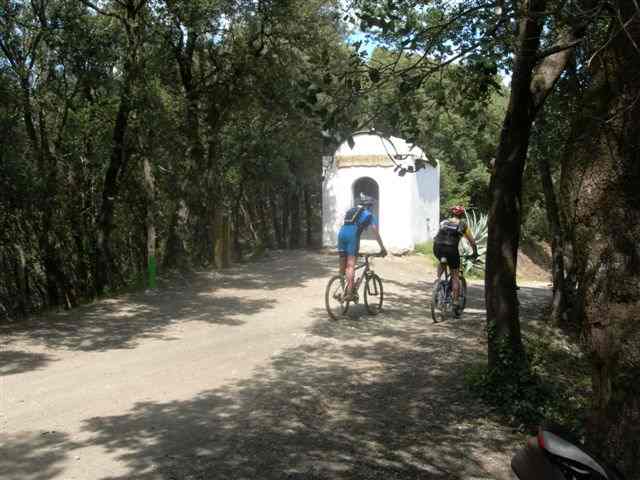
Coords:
445,244
356,220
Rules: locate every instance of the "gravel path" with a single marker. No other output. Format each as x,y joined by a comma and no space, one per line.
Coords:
240,375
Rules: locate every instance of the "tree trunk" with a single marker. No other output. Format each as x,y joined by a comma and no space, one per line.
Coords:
266,238
601,181
557,241
134,25
149,182
531,83
117,165
505,349
296,221
21,280
236,251
277,226
308,217
285,219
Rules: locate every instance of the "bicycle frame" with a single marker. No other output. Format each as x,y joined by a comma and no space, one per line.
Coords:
364,266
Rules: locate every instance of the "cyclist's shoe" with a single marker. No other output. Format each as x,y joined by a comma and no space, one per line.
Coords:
350,297
457,309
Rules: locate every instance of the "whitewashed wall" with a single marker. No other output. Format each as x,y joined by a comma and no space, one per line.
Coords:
404,206
409,206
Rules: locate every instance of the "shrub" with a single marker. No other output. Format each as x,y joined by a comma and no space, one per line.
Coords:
478,225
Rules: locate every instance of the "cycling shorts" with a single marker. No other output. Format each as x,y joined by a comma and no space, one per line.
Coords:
450,252
348,240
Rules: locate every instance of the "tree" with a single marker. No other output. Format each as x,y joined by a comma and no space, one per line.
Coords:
600,178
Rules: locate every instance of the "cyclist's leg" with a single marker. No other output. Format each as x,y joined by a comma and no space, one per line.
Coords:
350,270
455,286
438,254
454,265
348,245
343,262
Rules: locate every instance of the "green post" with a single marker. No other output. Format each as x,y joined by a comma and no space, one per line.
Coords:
152,272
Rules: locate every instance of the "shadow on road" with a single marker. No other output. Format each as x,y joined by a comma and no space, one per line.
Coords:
212,297
367,397
14,361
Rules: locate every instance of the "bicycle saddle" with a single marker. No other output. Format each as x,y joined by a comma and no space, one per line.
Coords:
550,457
576,457
443,260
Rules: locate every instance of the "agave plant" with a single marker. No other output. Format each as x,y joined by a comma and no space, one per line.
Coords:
479,229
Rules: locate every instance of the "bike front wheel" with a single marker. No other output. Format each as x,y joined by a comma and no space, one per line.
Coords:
333,297
373,295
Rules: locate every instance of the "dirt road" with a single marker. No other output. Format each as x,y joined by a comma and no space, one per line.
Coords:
242,376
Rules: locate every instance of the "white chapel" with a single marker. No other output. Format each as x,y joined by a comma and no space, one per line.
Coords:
404,182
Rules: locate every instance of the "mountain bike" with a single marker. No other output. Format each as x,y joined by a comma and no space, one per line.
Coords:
442,294
335,297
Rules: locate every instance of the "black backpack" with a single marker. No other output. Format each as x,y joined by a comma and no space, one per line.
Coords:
450,233
351,217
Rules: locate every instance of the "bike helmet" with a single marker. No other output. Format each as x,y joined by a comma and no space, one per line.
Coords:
457,210
366,200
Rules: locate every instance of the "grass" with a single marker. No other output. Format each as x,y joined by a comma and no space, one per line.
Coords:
426,249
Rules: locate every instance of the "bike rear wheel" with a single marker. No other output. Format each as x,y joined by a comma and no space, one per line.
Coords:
333,297
373,294
439,306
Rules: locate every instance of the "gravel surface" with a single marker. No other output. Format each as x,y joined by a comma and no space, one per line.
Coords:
241,375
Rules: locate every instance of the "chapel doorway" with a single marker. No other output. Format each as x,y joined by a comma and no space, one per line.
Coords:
367,186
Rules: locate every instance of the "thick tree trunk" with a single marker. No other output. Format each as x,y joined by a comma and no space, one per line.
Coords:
531,83
133,11
505,349
601,183
117,166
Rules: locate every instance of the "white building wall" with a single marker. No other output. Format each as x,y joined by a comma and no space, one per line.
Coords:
409,205
395,206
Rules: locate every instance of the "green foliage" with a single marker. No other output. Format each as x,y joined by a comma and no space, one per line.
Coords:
552,386
425,248
478,225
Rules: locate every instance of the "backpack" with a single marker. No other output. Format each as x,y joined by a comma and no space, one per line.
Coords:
450,233
351,217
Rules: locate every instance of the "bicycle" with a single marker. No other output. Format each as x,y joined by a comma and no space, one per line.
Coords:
442,294
335,293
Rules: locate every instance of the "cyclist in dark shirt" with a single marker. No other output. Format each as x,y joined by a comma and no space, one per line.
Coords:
356,220
445,245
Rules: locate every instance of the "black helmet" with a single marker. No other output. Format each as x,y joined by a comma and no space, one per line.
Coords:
366,200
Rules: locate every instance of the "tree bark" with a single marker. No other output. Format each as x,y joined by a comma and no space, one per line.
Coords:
296,221
505,348
117,166
557,241
149,182
308,217
133,24
532,81
275,220
601,181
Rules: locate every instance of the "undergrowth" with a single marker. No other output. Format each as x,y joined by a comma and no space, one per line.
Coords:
551,388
